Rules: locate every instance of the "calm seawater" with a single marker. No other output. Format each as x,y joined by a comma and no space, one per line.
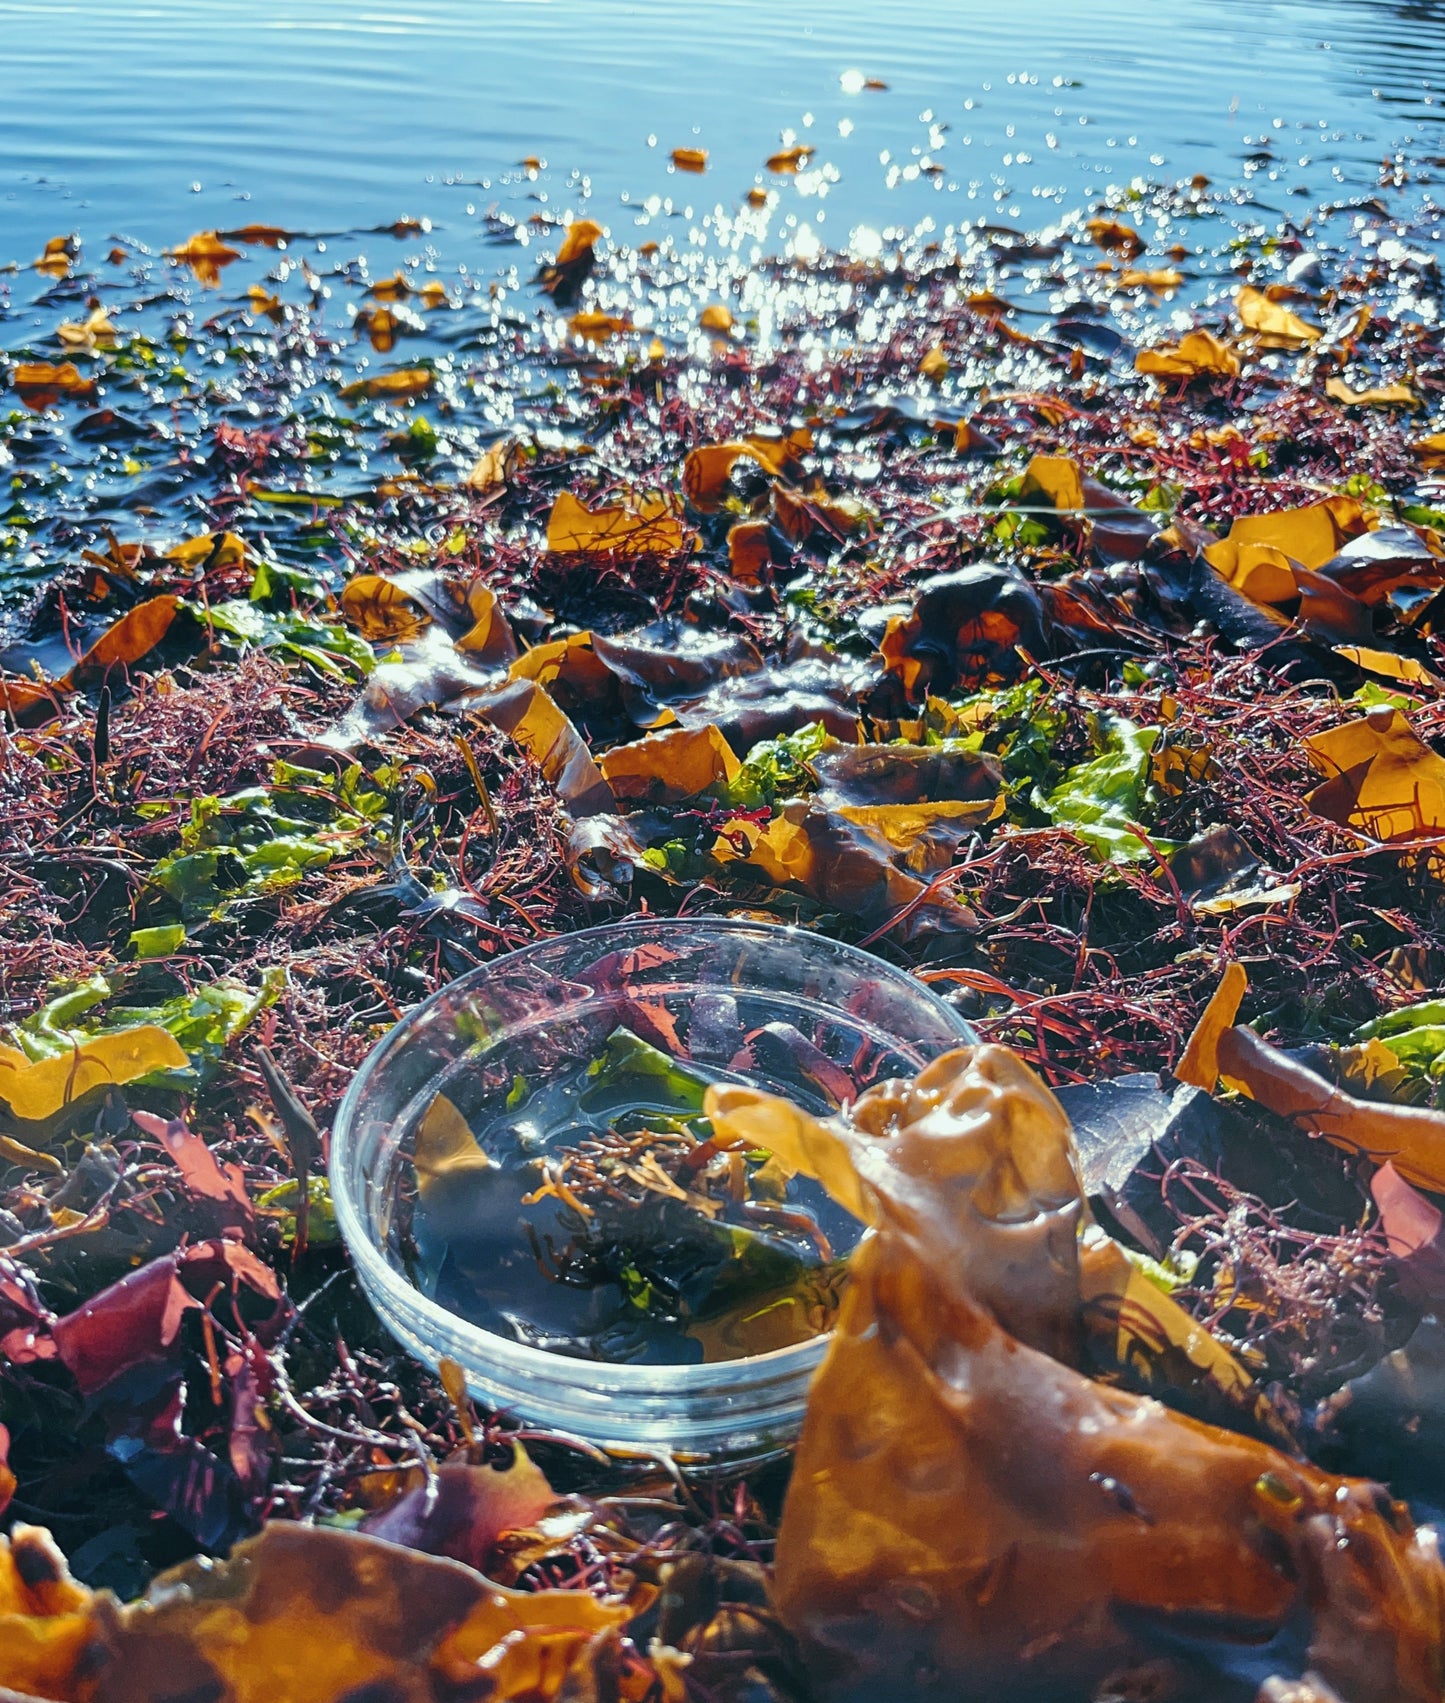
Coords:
153,120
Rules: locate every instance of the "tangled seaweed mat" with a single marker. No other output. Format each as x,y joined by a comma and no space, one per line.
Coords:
1067,656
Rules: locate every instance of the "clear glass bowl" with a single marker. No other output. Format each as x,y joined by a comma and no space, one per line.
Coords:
539,1010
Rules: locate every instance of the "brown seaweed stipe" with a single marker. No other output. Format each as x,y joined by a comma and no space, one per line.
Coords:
969,1510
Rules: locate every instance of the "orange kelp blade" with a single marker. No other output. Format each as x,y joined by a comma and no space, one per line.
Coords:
967,1506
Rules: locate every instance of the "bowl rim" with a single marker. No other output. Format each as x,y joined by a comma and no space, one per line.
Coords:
501,1357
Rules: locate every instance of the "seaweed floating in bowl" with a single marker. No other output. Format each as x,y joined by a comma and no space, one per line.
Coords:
595,1216
507,1166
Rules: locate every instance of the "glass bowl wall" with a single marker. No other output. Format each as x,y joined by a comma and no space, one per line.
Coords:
694,986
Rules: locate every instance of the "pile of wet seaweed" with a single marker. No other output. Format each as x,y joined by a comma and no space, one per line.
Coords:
975,602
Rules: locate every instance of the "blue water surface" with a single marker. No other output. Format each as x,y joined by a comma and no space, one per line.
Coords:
152,120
